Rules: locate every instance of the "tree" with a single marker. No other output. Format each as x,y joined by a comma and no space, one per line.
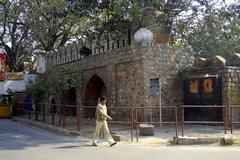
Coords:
55,22
37,90
216,32
56,83
50,24
15,31
53,82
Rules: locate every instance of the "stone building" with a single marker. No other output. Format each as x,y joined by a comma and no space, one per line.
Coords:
129,74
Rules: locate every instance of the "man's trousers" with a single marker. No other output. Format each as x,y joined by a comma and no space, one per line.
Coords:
102,125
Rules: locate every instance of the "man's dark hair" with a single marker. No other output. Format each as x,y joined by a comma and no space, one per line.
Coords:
102,98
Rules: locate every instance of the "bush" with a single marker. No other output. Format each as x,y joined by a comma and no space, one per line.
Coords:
37,90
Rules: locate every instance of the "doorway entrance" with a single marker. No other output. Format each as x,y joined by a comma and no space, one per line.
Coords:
203,91
95,88
70,99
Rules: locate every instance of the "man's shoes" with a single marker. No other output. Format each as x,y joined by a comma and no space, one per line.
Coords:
95,145
113,144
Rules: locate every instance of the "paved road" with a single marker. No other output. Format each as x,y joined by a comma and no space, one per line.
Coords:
21,142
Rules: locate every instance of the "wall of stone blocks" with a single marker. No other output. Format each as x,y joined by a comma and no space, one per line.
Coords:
126,73
164,62
233,87
119,69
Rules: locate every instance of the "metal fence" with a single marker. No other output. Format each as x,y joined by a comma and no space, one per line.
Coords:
232,121
153,120
224,122
128,116
62,115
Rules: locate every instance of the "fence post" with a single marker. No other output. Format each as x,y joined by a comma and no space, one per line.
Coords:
231,119
43,108
132,124
176,121
225,119
36,112
64,116
182,120
136,124
78,117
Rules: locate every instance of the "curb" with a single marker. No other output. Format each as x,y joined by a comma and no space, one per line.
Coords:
196,140
227,139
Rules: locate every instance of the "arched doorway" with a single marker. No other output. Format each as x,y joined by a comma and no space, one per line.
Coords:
94,89
70,99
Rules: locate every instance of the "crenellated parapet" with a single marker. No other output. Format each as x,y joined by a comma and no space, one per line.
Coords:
218,61
77,50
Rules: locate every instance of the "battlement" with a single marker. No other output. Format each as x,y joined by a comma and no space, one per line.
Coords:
75,51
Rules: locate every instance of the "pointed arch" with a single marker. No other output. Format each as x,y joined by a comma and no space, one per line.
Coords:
94,89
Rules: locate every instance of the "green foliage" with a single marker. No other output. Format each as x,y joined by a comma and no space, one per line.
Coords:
54,22
37,90
13,101
215,33
58,82
15,30
47,25
53,82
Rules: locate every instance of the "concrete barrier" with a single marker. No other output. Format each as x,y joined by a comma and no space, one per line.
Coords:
146,130
196,140
228,139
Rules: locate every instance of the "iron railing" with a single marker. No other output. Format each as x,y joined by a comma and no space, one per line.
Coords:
129,116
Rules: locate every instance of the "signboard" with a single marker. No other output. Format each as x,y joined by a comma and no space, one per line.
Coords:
154,87
208,85
15,76
193,85
3,61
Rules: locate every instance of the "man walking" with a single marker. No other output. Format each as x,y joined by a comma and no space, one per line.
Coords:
101,123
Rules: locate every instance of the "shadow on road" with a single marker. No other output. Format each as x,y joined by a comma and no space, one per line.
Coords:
17,136
73,146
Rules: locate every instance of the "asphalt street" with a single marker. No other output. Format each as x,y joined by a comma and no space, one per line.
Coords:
22,142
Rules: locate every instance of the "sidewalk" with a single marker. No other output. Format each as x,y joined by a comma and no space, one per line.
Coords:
165,136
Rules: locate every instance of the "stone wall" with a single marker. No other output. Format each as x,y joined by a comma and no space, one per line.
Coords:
233,90
230,76
164,62
126,73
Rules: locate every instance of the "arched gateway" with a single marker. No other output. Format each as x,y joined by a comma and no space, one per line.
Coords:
94,89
